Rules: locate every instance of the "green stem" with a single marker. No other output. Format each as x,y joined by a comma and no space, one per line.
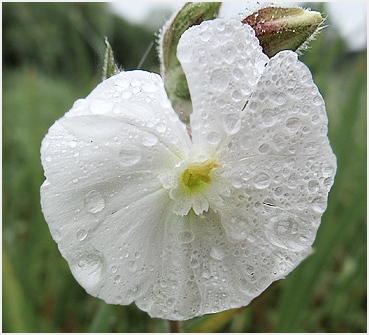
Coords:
174,326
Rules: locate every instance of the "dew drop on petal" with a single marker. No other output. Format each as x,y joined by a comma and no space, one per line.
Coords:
186,236
217,253
94,202
81,234
268,117
262,180
219,80
161,127
149,87
319,204
213,137
117,279
73,144
232,123
149,140
293,123
101,106
129,155
88,270
313,186
121,84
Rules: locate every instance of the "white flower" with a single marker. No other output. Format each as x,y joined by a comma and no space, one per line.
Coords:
187,227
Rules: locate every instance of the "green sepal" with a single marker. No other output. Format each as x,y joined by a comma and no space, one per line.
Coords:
192,13
110,68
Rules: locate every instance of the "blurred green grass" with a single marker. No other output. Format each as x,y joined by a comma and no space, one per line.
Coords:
326,293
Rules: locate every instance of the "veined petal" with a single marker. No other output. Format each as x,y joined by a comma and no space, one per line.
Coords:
110,234
222,60
125,125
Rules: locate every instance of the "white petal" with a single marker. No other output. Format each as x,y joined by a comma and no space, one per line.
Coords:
110,233
139,133
104,203
204,271
280,165
222,61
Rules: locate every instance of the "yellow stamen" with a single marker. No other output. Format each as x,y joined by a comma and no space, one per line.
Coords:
197,175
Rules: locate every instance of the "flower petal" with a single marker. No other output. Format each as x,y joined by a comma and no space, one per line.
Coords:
222,61
103,201
280,164
109,233
125,125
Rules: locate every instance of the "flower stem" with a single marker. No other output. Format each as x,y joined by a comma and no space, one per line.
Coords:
174,326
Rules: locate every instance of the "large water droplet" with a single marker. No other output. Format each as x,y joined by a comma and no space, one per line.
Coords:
219,79
213,137
101,106
121,84
81,234
313,186
186,236
129,155
319,204
293,123
262,180
94,202
88,270
232,123
149,140
268,117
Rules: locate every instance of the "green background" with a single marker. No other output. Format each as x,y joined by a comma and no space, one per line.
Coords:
53,55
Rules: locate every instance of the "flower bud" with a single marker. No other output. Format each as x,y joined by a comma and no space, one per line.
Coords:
192,13
280,28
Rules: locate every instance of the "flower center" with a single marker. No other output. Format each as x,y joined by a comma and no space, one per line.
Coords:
197,175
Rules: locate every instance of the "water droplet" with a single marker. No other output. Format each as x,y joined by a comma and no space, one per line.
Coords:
117,279
232,123
80,105
129,155
88,270
126,94
205,36
73,144
319,204
114,269
121,84
160,127
213,137
101,106
217,253
81,234
264,148
149,86
237,182
268,117
293,123
149,140
262,180
219,79
186,236
313,186
94,202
